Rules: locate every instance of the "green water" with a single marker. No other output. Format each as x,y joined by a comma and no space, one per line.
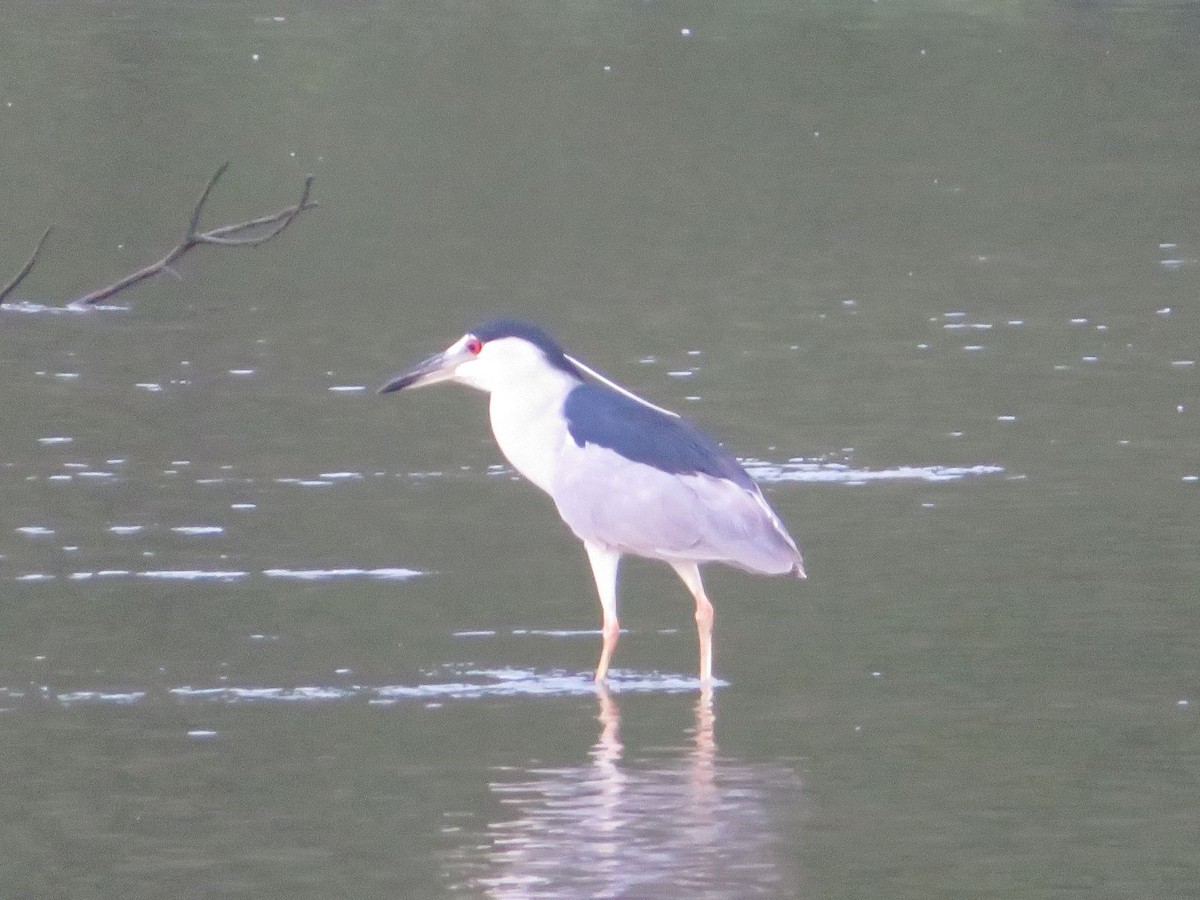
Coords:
930,269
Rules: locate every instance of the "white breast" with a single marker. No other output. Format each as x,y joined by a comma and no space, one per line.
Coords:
529,427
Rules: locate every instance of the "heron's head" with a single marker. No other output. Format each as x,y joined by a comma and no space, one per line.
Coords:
501,353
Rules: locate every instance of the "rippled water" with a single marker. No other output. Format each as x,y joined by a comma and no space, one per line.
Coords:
930,272
688,822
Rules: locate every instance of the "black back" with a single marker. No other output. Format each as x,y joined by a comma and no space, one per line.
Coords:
599,415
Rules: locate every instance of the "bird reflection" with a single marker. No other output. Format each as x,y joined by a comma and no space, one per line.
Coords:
677,823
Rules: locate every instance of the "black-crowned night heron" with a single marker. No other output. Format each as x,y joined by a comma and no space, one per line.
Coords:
626,475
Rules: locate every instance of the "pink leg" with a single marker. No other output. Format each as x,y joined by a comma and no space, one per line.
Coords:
689,574
604,570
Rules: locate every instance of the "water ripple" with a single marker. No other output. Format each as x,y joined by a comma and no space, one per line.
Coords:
383,573
327,574
807,471
451,682
30,308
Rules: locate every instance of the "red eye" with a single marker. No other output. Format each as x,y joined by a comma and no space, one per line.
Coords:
474,345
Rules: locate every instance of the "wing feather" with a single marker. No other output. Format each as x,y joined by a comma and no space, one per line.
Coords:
636,508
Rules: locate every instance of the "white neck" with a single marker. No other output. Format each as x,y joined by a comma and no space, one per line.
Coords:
528,423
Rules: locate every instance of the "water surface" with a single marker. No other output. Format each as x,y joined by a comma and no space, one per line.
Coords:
930,270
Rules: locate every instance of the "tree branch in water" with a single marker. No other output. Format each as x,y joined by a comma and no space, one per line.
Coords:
28,267
250,233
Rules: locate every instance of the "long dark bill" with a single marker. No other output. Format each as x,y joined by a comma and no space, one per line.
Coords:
436,368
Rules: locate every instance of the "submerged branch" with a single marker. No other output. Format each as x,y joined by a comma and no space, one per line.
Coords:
27,268
221,236
250,233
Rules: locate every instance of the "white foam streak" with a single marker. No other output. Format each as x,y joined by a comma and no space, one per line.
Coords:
838,473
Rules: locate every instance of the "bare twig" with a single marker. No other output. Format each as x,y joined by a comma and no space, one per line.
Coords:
27,268
221,236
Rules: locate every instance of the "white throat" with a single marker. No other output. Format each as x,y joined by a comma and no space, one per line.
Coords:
528,423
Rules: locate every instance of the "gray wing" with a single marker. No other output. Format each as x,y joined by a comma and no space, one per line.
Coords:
636,508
